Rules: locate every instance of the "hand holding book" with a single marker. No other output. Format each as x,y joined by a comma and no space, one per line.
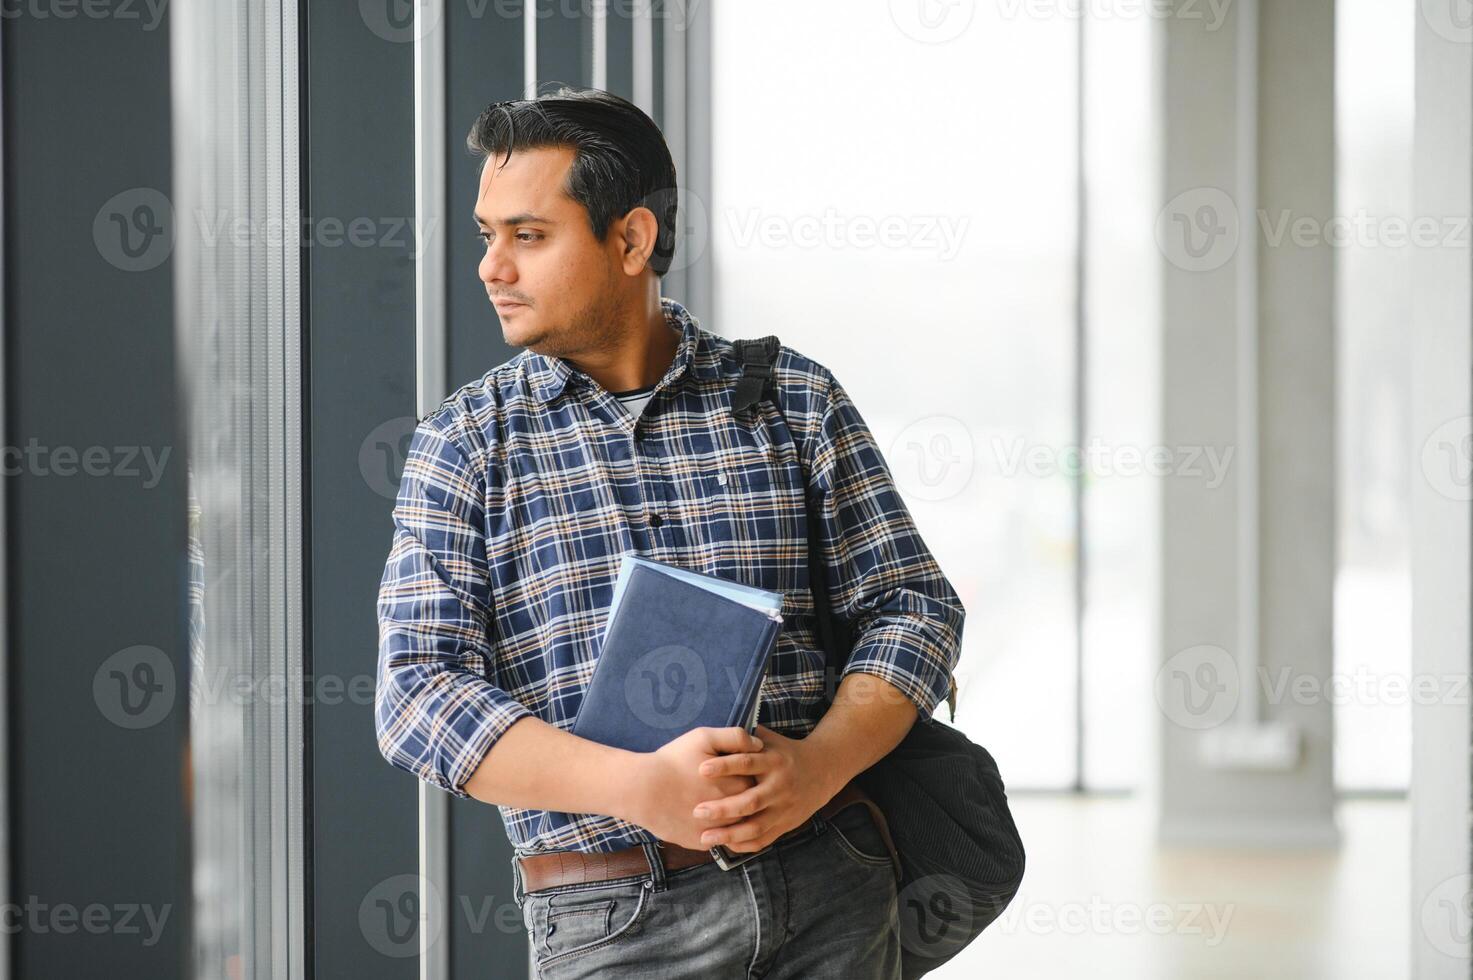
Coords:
678,677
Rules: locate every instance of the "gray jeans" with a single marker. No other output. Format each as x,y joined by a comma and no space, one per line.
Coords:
821,906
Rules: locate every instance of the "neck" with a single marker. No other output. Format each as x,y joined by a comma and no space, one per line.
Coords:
645,353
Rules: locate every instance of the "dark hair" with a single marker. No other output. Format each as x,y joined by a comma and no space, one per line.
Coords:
621,160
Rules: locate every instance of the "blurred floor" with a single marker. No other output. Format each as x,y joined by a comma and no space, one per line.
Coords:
1100,900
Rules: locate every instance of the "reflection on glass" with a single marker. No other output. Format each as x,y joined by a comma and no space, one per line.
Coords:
236,302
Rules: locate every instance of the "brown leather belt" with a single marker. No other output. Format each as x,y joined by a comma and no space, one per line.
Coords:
557,868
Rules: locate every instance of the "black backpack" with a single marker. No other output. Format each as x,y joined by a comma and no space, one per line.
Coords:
960,853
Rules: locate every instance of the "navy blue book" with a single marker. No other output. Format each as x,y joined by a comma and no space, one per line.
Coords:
681,650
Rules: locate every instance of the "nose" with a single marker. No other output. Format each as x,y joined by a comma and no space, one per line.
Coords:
496,265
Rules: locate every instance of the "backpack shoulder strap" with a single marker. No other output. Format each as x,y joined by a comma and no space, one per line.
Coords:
759,382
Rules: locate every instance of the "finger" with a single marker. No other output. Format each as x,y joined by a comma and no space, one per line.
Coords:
764,841
741,764
732,740
738,836
732,807
732,785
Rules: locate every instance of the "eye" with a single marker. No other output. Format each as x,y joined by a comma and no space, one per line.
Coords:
523,236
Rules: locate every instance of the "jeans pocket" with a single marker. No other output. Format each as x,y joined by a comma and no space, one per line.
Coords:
853,831
569,924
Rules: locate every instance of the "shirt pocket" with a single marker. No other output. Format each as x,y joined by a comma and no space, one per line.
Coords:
749,471
756,526
752,471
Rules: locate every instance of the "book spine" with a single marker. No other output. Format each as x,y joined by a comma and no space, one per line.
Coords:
751,688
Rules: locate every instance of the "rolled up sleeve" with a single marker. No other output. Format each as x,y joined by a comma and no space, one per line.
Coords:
906,617
437,712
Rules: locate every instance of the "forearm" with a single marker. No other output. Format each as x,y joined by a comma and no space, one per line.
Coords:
868,718
538,766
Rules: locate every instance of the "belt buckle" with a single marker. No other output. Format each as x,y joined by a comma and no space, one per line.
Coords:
726,859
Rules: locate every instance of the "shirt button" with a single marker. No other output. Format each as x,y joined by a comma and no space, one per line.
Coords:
656,520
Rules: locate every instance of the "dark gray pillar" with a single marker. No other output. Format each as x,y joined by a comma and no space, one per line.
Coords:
564,43
98,827
358,146
484,64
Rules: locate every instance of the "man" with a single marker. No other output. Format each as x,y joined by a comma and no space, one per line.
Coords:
614,431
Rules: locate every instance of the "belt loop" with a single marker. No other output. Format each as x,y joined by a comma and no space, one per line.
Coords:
657,864
517,894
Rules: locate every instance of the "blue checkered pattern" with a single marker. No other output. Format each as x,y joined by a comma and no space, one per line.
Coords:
523,488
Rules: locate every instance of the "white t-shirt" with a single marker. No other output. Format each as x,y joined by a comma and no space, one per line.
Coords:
634,400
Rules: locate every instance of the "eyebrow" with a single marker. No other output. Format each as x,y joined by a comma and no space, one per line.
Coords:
516,219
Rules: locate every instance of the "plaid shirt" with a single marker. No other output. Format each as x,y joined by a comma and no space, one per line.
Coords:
523,488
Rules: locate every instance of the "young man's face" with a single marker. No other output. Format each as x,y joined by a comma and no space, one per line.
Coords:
541,256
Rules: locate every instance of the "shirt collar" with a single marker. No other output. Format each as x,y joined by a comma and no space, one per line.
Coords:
548,376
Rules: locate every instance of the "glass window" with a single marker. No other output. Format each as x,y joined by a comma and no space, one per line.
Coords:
1373,183
1122,391
899,203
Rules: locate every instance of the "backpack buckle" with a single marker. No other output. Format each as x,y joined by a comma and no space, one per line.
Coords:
757,358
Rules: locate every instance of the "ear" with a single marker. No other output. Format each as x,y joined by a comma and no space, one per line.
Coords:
636,235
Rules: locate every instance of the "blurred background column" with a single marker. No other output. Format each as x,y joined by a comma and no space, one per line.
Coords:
1248,369
1442,434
